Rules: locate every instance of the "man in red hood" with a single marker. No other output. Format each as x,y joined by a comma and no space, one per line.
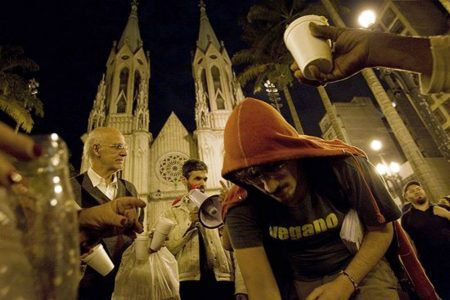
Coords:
299,191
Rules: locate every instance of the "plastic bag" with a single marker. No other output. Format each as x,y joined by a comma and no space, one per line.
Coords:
352,231
153,279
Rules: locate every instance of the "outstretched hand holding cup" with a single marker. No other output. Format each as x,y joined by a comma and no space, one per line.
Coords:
351,54
309,51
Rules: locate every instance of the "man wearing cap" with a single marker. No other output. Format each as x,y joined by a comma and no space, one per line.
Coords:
205,268
428,225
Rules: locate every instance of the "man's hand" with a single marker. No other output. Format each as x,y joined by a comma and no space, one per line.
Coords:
115,217
350,55
19,146
338,289
441,212
193,214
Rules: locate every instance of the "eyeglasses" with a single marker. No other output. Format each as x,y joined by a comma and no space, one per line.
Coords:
256,175
117,147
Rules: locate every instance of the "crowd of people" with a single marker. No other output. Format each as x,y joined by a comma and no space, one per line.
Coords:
295,191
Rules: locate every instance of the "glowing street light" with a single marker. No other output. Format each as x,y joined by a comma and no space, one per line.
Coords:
274,95
394,167
384,169
381,168
390,172
367,18
376,145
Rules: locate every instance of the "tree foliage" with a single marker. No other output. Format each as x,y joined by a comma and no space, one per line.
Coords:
263,30
16,98
267,57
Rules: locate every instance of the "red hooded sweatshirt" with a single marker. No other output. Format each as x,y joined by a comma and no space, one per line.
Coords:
257,134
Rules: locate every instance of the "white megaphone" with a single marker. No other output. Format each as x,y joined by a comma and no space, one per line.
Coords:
209,208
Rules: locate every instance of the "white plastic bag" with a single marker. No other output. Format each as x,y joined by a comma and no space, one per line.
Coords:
153,279
352,231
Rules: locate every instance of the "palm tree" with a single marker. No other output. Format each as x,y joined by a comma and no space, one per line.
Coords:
267,57
17,99
262,68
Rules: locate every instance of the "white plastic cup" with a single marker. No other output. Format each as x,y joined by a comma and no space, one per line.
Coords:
99,260
141,246
306,49
162,229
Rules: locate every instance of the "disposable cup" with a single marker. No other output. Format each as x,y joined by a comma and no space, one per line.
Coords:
141,247
306,49
162,229
99,260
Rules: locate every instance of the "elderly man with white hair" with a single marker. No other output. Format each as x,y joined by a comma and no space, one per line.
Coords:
106,150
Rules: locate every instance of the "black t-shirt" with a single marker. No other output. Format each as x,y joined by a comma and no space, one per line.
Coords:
309,234
431,236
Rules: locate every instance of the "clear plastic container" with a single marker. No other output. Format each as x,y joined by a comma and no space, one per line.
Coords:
46,215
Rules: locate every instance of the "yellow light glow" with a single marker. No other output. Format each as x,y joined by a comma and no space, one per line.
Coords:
367,18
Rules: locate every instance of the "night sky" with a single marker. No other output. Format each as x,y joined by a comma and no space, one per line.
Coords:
71,41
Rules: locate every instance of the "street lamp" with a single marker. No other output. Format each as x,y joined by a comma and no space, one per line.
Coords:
376,145
274,95
367,18
389,171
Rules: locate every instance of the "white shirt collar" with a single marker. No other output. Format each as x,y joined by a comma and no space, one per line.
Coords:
99,180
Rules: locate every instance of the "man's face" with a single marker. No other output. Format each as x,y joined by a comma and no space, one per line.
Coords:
279,180
416,194
112,151
196,180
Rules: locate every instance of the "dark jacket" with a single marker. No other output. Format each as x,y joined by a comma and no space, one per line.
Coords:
93,285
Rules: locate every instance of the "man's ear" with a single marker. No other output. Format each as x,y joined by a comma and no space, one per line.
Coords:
184,180
95,149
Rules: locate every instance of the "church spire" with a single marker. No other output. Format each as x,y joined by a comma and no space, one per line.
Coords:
131,35
206,34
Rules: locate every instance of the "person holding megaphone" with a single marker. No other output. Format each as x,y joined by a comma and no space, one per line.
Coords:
205,268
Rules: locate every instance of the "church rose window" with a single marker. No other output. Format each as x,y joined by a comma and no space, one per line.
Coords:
170,166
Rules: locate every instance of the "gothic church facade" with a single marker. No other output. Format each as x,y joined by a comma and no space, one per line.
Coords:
154,164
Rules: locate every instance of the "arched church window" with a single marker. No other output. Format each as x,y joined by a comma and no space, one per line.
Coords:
121,105
137,83
204,82
123,80
216,77
205,87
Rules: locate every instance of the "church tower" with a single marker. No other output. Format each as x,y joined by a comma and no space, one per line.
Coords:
122,101
217,92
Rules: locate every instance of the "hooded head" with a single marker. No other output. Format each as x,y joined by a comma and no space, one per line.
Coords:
262,150
257,134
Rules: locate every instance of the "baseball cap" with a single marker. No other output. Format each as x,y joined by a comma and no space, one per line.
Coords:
408,184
